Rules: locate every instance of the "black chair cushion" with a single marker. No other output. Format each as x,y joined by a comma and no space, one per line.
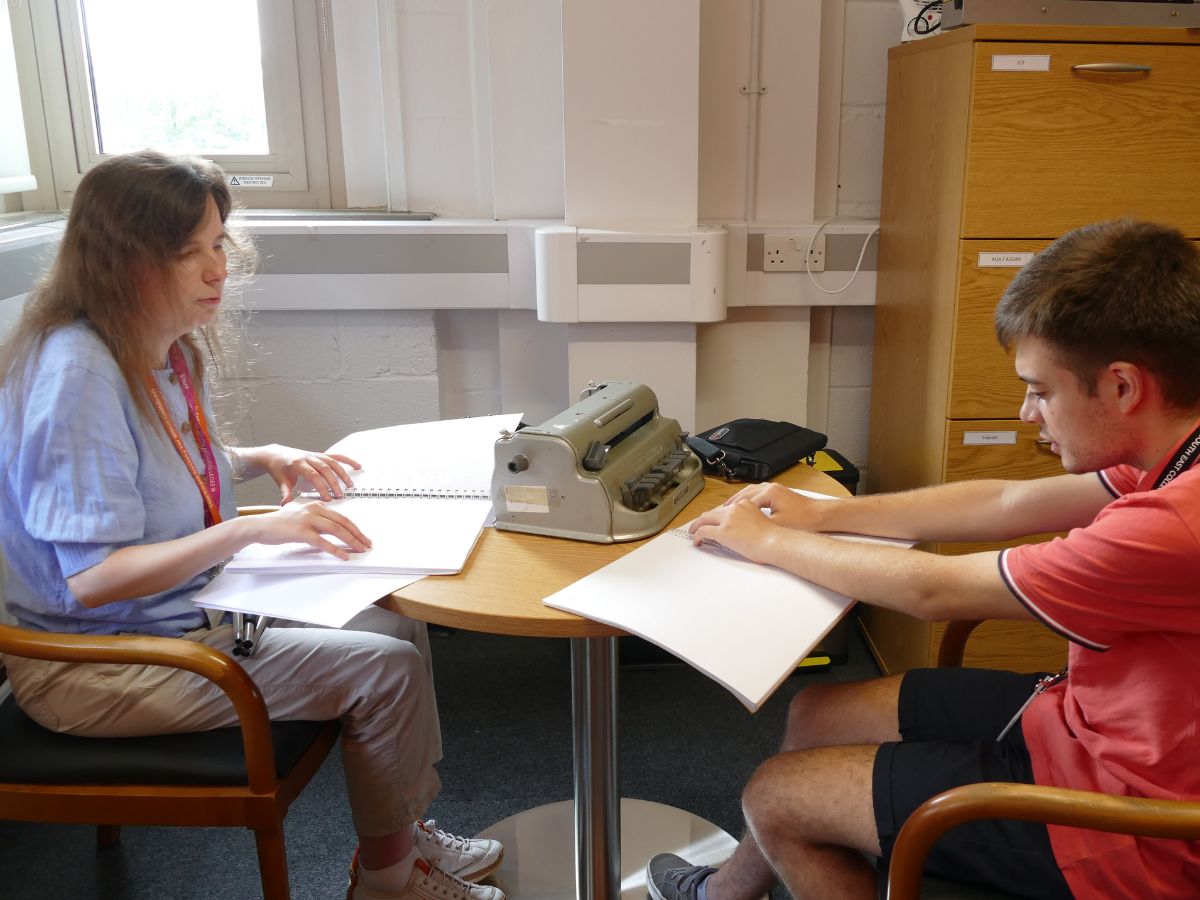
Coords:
32,754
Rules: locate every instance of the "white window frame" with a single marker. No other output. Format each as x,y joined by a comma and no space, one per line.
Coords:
294,36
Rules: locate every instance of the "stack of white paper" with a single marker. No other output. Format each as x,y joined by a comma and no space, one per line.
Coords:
743,624
409,536
329,600
422,499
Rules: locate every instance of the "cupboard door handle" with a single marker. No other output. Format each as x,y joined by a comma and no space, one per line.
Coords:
1118,67
1043,442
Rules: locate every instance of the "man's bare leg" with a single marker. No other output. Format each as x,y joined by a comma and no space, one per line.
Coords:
811,812
864,712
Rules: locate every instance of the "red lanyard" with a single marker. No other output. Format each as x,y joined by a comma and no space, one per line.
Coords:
210,482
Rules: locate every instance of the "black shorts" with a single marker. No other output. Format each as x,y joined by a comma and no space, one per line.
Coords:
949,719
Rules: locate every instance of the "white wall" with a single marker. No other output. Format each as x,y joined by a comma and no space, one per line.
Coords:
791,363
324,373
871,26
631,113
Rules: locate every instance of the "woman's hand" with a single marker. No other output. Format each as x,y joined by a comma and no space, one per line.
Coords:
292,469
789,509
139,570
740,526
307,523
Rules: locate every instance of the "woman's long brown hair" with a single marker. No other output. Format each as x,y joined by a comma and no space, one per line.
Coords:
129,220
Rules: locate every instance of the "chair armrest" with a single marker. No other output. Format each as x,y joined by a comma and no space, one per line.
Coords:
954,642
176,653
1029,803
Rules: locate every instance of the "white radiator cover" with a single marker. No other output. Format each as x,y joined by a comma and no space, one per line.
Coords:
562,298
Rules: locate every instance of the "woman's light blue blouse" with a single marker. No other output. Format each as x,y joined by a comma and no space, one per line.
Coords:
84,473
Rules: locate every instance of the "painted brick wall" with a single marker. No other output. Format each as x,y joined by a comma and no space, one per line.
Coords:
871,27
314,377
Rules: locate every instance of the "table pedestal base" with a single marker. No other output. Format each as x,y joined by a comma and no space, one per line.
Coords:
539,847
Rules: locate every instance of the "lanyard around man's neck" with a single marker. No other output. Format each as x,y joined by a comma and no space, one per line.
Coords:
209,483
1183,460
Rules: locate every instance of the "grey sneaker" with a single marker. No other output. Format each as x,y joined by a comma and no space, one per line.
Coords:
671,877
470,859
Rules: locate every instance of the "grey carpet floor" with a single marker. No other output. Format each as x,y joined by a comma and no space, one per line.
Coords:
506,726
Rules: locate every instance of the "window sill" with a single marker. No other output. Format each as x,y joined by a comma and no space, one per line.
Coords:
10,222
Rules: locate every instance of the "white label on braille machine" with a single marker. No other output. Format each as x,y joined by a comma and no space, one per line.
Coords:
1020,62
976,438
1003,260
523,498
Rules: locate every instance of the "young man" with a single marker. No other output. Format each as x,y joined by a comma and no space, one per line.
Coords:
1105,324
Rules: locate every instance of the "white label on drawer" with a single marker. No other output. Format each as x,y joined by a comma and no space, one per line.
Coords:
1003,260
975,438
1020,62
527,499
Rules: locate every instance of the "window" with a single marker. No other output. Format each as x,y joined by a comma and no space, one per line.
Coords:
238,81
190,105
14,159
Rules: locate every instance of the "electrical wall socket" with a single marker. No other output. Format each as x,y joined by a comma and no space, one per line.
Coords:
785,253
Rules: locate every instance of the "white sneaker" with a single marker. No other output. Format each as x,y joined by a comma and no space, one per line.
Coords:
427,882
470,859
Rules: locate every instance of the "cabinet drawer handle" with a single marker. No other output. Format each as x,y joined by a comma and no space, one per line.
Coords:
1110,67
1043,442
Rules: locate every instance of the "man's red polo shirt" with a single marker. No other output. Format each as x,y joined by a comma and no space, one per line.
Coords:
1125,591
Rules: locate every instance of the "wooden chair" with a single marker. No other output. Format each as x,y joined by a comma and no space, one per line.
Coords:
246,775
1030,803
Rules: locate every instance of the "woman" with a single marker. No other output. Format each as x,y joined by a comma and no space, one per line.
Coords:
116,506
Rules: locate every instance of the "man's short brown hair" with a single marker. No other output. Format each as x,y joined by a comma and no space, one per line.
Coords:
1119,290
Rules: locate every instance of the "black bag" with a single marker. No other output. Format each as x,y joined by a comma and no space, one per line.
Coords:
754,449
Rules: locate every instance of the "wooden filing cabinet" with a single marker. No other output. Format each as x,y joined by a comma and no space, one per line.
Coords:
1000,138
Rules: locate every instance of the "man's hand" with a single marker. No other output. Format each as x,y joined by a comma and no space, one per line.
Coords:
292,469
788,508
740,526
307,523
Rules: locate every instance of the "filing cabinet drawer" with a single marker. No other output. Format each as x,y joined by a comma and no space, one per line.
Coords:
996,448
1049,151
983,382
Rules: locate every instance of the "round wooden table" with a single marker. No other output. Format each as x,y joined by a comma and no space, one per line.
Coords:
500,591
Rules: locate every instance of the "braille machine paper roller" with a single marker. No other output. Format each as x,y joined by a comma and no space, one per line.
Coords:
609,468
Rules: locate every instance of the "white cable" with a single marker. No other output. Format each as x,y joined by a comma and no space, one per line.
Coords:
858,265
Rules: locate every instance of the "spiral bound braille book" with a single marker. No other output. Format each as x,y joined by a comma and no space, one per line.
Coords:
422,497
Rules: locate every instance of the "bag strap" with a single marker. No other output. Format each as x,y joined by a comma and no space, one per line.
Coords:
722,460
